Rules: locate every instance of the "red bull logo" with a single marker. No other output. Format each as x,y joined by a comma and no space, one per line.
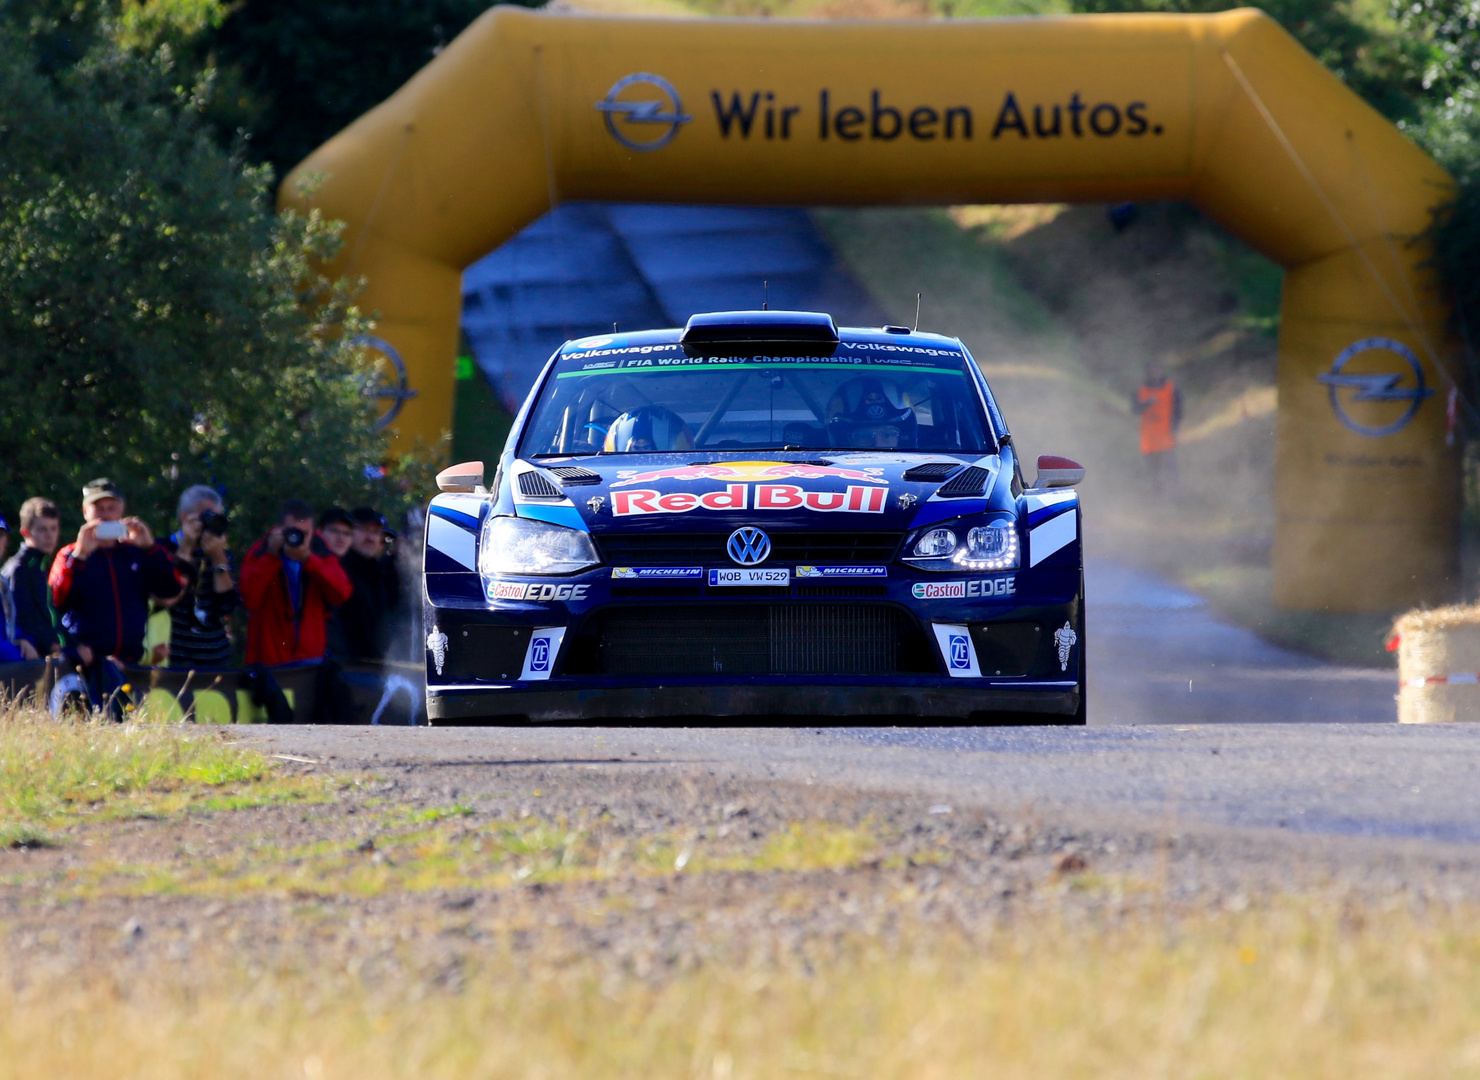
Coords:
752,472
855,500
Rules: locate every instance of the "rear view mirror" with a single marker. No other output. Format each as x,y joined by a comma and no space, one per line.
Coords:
464,476
1058,472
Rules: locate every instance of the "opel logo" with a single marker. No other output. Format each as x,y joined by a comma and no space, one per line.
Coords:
663,111
749,546
1347,389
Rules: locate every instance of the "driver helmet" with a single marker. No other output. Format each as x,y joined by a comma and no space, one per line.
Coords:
651,427
871,414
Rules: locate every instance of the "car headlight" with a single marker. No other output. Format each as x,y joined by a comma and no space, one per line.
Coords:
955,546
512,545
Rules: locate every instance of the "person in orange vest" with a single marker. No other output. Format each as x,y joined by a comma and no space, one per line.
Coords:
1160,404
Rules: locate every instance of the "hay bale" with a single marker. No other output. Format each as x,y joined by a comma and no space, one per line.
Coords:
1439,665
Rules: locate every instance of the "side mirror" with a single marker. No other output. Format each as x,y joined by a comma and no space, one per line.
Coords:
464,476
1058,472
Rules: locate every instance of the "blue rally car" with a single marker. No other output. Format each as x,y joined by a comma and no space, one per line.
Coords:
760,515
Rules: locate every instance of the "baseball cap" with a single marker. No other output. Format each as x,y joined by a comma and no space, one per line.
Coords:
364,515
101,488
4,527
335,515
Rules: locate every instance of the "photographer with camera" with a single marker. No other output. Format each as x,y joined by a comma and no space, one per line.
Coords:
368,617
101,586
289,583
198,636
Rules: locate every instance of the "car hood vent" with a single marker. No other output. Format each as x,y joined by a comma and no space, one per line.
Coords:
534,486
572,475
931,472
970,482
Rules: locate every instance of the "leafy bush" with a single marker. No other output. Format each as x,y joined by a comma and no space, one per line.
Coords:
159,323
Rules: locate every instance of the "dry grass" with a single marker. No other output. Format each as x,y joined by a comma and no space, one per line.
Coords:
1258,994
56,773
440,850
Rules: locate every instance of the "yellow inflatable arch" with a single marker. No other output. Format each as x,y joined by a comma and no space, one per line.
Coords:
525,110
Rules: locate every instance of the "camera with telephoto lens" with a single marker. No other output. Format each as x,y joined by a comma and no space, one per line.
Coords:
213,522
293,537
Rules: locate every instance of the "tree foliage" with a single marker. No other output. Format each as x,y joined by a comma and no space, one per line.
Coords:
1368,52
294,73
159,323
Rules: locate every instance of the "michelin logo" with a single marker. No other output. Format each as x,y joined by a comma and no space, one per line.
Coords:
519,590
1064,639
657,573
842,571
980,589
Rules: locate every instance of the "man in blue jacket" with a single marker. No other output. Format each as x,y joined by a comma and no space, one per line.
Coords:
101,585
10,651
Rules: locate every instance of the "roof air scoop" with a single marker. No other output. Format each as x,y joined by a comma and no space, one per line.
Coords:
760,333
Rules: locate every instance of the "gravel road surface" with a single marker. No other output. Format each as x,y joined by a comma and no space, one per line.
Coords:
1370,781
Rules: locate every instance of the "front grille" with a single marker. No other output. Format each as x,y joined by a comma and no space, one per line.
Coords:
843,590
756,639
707,549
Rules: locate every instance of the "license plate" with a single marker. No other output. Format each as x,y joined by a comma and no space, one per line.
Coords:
750,577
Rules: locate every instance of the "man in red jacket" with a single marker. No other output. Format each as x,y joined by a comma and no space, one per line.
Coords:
289,584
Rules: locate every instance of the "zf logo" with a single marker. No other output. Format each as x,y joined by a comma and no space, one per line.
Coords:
960,652
539,655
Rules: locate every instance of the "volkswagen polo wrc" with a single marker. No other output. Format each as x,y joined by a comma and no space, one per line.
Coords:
761,515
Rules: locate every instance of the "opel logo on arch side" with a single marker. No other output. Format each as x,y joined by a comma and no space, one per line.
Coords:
654,103
749,546
1347,389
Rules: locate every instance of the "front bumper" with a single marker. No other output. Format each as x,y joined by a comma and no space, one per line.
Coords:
974,704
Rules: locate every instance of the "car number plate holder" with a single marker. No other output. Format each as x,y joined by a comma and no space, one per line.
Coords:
743,576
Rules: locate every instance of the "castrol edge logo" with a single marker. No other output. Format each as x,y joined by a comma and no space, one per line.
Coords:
855,500
756,495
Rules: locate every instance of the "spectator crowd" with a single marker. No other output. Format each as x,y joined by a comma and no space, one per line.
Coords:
322,588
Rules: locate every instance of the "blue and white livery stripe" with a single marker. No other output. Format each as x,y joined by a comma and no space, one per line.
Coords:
452,532
1051,536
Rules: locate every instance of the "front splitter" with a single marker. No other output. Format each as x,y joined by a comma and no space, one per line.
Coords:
625,704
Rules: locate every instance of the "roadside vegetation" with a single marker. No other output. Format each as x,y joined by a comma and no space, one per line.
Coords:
56,776
1283,993
174,904
161,322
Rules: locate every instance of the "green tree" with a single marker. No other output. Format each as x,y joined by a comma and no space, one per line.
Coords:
158,322
1361,44
294,74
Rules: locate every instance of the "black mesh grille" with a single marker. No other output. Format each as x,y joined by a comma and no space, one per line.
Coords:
972,481
699,549
573,475
843,590
534,486
931,471
1010,648
758,639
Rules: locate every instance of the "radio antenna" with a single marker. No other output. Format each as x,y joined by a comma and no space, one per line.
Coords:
917,314
614,326
766,296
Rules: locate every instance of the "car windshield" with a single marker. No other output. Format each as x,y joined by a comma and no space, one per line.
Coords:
654,399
